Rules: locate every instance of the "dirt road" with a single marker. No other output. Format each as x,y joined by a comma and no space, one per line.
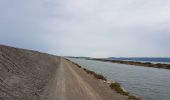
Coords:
72,83
30,75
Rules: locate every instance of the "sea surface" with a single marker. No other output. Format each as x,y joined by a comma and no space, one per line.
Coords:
149,83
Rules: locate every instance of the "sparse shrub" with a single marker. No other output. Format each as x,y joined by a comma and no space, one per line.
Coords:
78,65
117,87
89,71
98,76
132,97
84,69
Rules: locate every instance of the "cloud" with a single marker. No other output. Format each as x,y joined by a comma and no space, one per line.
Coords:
87,27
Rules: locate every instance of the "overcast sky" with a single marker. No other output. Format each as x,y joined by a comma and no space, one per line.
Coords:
96,28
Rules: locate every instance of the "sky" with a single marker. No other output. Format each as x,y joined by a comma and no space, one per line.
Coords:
94,28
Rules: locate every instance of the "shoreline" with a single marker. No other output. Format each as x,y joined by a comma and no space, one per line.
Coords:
115,86
144,64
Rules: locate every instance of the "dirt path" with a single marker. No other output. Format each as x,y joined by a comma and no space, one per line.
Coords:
72,85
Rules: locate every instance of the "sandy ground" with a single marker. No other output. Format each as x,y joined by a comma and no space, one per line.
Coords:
73,83
30,75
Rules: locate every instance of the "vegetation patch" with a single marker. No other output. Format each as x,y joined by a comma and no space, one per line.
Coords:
97,76
77,65
117,87
88,71
132,97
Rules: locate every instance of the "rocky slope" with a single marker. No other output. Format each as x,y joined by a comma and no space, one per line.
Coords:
24,74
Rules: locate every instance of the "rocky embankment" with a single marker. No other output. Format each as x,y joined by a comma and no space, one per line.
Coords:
24,74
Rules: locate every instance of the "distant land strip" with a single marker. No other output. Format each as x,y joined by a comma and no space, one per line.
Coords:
145,64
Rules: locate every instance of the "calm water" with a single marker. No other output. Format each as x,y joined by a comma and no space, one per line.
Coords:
150,83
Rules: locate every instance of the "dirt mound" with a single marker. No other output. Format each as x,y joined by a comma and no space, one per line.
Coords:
24,74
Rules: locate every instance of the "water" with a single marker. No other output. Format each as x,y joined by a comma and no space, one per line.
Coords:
150,83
